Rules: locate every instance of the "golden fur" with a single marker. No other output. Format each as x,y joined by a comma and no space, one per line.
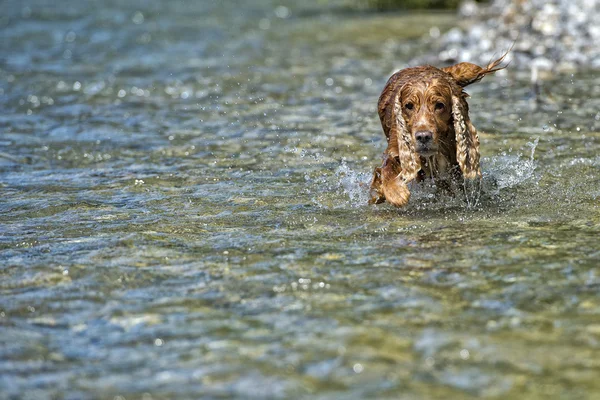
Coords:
425,118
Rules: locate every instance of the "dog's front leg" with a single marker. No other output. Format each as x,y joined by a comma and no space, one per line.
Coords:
393,186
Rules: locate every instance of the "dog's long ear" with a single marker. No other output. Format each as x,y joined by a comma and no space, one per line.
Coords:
465,73
409,160
467,140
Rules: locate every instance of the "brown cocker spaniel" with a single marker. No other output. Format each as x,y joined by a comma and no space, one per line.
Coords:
425,118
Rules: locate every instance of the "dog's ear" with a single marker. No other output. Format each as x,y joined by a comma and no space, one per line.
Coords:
465,73
407,155
467,140
401,164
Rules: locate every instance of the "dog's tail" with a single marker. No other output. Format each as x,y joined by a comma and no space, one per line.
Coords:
466,73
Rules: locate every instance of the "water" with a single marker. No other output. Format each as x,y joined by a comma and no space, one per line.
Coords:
183,215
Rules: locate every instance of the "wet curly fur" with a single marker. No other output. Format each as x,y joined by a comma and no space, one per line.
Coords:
425,118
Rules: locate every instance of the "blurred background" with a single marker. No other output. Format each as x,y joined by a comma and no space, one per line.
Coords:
183,208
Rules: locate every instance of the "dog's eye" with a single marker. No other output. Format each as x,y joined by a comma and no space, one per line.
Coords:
409,106
439,106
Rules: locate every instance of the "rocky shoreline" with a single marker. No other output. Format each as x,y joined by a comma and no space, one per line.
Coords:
545,35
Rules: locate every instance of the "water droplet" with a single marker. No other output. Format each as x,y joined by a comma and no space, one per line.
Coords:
358,368
70,37
137,18
282,12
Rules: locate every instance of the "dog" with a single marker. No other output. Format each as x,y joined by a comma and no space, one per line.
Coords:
425,117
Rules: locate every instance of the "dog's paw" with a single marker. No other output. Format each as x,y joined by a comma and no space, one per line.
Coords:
396,192
376,197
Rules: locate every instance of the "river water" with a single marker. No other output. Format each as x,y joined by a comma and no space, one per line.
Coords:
183,214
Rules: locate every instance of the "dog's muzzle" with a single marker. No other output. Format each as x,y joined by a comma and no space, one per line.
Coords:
424,143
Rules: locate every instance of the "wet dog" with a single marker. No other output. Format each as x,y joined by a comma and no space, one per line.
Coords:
425,118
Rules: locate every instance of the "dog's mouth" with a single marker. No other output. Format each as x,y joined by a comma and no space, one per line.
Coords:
425,143
426,150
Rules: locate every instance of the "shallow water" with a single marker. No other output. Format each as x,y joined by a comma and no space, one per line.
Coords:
183,215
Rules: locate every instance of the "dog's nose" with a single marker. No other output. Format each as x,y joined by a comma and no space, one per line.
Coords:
424,137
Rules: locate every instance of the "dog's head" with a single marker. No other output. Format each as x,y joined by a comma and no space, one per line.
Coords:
426,107
425,110
427,113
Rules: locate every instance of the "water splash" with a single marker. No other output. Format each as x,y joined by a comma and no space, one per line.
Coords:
353,184
349,185
509,170
346,187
